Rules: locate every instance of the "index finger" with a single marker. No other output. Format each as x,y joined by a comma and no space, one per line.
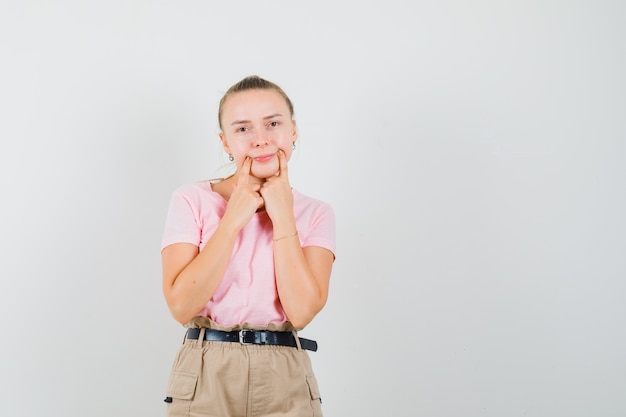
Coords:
282,164
244,172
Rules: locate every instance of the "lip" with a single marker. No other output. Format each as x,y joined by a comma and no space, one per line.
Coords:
264,158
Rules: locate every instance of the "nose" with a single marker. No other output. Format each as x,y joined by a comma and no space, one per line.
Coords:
260,139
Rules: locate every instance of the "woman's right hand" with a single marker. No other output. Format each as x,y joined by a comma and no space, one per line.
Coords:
245,198
190,275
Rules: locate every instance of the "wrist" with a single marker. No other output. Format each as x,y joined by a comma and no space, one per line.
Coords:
287,236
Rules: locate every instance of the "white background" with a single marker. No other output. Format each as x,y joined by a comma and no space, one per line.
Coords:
473,152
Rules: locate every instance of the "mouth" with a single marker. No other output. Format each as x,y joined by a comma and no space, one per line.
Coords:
264,158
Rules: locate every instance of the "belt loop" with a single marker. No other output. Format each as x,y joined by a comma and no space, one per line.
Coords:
294,332
200,338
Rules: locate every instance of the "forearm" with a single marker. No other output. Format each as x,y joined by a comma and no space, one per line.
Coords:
300,292
194,286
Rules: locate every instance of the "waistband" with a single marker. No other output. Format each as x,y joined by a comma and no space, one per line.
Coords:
255,337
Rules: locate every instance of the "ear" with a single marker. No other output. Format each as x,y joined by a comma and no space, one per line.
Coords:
294,133
224,144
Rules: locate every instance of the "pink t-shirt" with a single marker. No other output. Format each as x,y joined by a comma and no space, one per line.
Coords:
247,292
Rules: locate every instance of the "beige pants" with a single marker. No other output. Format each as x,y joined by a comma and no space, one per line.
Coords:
226,379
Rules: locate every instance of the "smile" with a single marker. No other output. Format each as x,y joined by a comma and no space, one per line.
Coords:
264,158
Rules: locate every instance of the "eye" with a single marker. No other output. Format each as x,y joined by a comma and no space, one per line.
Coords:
274,123
241,129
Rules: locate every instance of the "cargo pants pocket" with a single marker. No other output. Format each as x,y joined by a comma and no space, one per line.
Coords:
314,391
181,389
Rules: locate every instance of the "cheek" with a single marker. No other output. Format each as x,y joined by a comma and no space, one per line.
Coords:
237,147
284,141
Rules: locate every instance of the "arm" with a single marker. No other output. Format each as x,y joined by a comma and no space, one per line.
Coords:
190,276
302,279
302,274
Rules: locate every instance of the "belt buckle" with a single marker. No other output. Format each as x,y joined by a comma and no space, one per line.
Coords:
241,340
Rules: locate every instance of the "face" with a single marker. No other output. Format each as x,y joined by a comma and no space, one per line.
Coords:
257,123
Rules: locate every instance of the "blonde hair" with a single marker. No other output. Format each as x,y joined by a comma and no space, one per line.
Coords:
252,82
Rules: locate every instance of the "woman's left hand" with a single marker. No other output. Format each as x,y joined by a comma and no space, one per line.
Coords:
276,192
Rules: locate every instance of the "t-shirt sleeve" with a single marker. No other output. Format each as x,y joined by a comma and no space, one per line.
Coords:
322,231
182,224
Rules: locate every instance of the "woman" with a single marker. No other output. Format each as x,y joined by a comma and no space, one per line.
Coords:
246,263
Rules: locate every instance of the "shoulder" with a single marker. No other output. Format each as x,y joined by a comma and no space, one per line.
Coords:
197,194
306,202
194,189
316,221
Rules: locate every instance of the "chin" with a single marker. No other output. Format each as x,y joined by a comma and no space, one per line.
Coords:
264,172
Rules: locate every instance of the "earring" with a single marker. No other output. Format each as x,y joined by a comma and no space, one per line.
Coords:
231,158
293,147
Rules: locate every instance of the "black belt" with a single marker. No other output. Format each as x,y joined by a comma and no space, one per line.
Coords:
256,337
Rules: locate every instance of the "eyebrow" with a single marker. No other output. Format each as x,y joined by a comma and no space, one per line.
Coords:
271,116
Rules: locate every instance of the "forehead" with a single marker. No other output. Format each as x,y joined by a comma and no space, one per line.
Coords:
251,104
